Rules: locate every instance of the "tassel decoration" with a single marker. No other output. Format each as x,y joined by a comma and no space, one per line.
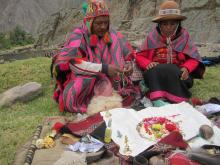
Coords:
107,38
84,7
93,40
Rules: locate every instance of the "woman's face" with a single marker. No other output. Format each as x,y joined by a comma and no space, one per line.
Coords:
168,27
100,25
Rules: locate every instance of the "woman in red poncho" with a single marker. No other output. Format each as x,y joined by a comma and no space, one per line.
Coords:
169,58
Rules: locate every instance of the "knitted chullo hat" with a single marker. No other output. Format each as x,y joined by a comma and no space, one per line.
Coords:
96,8
169,10
93,9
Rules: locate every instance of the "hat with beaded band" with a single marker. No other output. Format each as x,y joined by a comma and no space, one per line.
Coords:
169,10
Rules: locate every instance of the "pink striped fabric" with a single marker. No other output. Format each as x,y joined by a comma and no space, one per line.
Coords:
78,90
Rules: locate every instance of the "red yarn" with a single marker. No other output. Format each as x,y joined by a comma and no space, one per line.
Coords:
57,126
196,101
107,38
64,67
77,60
55,95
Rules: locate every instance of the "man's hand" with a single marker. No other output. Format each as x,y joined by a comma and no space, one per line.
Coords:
113,70
151,65
128,69
185,74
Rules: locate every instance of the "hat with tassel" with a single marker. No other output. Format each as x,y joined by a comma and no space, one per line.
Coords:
93,9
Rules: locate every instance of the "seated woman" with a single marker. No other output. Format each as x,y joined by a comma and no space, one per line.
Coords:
169,58
94,51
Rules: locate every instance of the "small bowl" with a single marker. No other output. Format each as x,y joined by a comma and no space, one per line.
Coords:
94,156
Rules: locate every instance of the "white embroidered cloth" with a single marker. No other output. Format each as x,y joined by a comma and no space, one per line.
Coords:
125,121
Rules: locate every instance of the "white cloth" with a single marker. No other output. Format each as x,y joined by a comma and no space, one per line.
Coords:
146,102
94,146
125,121
209,108
86,68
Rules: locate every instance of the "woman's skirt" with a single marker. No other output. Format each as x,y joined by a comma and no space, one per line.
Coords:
164,82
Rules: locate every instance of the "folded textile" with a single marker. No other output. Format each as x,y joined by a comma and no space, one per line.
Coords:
209,61
175,139
159,103
83,127
209,109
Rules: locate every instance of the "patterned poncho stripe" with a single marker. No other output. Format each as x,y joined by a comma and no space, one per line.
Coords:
75,93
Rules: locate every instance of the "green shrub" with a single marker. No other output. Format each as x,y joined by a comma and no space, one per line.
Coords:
16,37
20,37
5,43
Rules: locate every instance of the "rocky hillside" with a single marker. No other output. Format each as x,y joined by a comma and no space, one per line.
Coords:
203,16
29,13
132,17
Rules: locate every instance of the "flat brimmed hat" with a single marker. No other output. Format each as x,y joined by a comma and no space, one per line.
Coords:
169,10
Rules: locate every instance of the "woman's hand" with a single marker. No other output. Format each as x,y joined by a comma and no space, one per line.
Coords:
185,74
151,65
128,69
113,70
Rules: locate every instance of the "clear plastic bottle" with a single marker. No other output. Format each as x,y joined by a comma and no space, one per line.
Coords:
108,132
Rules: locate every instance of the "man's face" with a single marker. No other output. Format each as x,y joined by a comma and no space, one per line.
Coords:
100,25
168,27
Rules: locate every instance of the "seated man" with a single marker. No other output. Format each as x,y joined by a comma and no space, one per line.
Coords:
169,58
93,51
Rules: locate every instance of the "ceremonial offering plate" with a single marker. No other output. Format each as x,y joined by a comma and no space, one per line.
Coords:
155,128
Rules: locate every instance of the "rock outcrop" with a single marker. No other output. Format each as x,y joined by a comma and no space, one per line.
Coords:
29,13
57,27
133,19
